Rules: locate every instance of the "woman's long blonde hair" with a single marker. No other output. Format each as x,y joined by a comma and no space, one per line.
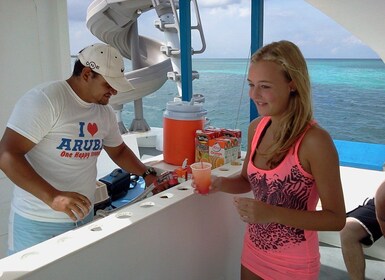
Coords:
300,109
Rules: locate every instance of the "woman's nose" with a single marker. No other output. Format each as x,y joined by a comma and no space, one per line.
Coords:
253,92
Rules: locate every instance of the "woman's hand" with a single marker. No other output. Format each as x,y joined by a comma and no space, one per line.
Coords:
253,211
214,187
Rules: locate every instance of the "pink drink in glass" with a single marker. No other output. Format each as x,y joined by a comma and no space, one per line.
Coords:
202,176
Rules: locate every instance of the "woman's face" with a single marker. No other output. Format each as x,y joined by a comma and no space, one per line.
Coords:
269,88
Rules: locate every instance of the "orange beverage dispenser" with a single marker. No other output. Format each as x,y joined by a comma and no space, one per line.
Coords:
180,121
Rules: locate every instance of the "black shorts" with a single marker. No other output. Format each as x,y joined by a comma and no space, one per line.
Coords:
366,216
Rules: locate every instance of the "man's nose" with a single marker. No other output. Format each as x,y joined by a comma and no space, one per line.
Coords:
113,91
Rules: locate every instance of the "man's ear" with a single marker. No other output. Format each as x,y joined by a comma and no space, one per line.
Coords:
86,73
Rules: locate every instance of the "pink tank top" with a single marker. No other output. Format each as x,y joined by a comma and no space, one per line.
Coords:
275,250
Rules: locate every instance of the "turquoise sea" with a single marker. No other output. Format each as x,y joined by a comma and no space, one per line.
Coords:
348,96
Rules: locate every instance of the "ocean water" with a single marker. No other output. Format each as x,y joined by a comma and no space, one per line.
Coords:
348,97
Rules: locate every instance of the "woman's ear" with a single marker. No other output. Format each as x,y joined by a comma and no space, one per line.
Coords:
292,87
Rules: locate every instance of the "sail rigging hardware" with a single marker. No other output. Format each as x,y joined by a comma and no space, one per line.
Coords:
169,51
166,6
175,76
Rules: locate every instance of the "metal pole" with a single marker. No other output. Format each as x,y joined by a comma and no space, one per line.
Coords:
256,39
185,49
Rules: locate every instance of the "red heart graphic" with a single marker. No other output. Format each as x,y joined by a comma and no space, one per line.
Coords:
92,128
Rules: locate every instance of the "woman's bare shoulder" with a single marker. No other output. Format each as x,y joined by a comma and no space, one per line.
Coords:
317,145
253,124
317,136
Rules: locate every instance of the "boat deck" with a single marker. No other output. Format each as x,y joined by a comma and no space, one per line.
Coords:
333,267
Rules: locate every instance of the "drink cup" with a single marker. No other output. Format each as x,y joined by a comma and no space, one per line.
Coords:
201,172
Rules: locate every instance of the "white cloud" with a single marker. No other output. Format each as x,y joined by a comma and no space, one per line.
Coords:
216,3
351,40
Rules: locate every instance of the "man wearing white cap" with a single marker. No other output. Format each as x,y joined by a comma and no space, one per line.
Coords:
51,144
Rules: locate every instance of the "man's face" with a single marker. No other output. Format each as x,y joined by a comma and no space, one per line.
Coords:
99,90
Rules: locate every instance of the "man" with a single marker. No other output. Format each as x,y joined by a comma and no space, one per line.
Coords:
364,225
51,144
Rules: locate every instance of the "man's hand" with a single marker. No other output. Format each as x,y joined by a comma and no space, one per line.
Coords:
75,205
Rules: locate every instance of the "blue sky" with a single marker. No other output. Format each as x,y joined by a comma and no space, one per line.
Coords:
226,26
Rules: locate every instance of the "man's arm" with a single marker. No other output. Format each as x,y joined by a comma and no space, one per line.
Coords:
125,158
380,206
13,148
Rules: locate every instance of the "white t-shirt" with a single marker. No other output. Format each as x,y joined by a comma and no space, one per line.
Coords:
69,134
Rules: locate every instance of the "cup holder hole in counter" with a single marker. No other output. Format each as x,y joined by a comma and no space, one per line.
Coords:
29,255
184,188
64,239
95,228
124,215
166,195
147,204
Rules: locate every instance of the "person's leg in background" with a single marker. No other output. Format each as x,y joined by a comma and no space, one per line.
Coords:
352,250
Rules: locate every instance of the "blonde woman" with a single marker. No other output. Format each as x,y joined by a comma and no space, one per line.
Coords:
291,162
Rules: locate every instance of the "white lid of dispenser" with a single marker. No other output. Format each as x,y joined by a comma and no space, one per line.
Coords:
183,110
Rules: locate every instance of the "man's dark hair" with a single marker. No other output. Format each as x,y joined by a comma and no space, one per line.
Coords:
78,67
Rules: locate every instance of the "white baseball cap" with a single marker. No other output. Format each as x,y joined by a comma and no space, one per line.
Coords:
108,62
